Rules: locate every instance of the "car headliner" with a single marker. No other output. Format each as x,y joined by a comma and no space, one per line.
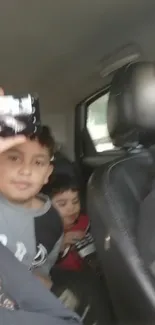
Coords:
56,47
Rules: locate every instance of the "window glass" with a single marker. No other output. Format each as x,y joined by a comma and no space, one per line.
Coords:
97,123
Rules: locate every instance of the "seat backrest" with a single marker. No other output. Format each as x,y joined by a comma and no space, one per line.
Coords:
115,195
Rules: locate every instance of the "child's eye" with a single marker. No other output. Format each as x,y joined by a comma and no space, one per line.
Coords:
76,202
39,163
14,158
61,205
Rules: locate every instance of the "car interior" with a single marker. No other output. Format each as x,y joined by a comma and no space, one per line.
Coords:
91,62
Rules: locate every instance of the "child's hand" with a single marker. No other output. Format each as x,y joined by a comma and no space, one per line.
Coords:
72,237
9,142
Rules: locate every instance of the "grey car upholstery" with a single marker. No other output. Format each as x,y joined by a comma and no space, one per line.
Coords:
115,193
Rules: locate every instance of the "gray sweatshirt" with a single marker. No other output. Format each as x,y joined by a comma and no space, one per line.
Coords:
34,304
33,236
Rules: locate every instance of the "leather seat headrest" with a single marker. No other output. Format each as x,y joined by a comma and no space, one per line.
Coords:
131,107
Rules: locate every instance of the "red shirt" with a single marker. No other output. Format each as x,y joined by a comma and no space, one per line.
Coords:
72,260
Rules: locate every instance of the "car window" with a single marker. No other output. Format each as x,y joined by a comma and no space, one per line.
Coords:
97,124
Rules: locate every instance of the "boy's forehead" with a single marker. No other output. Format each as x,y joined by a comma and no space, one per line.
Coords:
31,147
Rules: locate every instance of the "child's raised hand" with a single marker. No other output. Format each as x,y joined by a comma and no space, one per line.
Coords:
9,142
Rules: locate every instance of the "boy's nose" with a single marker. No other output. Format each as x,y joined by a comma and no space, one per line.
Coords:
25,170
70,210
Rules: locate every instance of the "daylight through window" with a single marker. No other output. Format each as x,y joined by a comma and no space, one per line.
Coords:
97,124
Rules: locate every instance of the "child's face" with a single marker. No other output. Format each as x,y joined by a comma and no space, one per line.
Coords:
68,205
24,169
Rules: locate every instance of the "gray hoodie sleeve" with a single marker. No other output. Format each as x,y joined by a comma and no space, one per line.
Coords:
31,318
36,304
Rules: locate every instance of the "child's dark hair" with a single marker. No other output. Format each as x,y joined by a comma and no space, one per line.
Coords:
46,139
61,183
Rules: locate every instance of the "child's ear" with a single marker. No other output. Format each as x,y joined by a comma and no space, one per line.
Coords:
49,172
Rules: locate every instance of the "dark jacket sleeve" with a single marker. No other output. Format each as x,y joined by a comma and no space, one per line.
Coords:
48,233
36,304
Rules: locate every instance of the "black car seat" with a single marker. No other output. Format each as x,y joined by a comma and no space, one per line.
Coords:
62,165
115,194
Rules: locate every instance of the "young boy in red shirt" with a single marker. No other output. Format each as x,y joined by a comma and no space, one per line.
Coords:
77,242
77,252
